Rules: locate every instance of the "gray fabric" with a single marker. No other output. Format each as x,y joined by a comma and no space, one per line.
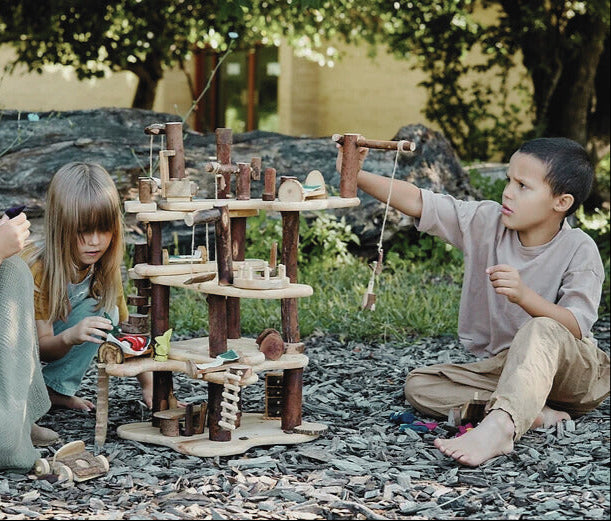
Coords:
23,394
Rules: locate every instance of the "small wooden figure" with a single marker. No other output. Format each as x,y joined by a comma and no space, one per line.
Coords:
261,278
200,256
292,191
192,416
72,463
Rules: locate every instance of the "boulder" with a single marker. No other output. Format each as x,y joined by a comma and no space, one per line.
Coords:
35,145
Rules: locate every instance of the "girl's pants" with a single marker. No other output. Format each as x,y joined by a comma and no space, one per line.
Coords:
65,374
545,364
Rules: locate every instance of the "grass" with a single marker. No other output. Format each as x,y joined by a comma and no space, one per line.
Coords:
411,300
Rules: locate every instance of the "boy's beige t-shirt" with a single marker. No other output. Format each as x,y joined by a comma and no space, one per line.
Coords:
567,271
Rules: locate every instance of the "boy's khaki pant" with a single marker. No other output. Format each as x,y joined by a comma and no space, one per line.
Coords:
545,364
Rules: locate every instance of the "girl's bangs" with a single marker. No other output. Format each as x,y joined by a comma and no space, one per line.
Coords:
97,214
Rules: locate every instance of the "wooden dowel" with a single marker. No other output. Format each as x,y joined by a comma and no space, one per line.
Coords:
219,168
377,144
243,182
269,190
290,243
189,420
238,251
202,216
224,139
217,325
223,247
160,321
292,396
255,168
101,407
350,166
173,131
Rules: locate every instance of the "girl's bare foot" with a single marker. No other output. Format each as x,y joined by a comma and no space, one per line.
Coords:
491,438
62,401
549,417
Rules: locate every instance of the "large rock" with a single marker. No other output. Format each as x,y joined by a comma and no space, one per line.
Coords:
36,145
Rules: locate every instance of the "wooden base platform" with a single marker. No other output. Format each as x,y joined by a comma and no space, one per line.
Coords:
254,431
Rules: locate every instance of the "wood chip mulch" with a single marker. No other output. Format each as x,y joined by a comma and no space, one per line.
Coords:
363,467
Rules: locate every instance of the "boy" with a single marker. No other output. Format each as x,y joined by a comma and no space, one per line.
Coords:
530,296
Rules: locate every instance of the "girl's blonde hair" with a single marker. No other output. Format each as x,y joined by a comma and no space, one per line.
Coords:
81,198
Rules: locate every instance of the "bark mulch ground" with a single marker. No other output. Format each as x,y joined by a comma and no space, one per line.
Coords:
363,467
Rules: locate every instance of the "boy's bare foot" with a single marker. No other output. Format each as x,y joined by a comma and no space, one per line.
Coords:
491,438
549,417
62,401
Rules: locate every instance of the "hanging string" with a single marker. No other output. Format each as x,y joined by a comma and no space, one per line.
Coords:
369,297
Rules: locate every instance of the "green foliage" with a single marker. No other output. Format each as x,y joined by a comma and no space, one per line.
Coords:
413,247
491,189
458,44
326,238
323,238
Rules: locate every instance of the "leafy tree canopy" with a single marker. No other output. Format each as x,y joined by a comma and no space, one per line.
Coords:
559,43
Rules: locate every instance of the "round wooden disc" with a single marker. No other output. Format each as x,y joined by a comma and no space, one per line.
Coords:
110,354
291,191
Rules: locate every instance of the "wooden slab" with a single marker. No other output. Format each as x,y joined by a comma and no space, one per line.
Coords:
254,431
137,206
260,204
213,288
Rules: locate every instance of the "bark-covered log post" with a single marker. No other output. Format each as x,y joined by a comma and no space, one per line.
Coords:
292,378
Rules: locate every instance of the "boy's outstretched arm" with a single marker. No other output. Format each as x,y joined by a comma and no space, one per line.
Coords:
507,281
406,197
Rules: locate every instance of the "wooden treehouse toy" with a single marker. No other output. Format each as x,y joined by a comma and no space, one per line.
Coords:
72,463
225,360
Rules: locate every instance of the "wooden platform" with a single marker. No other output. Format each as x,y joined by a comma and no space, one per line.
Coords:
213,288
176,210
254,431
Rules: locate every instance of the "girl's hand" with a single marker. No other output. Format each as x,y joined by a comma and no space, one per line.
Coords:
13,234
90,329
507,281
340,155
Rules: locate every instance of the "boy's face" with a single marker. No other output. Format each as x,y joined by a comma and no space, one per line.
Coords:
528,204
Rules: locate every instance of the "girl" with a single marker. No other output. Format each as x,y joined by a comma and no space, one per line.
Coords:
77,277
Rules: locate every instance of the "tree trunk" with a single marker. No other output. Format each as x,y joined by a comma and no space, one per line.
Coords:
574,95
149,73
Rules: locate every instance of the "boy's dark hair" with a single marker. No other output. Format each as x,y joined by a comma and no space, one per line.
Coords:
569,169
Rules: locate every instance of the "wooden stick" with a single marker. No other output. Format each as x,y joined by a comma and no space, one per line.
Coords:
101,413
224,139
173,132
377,144
292,392
243,182
269,190
350,166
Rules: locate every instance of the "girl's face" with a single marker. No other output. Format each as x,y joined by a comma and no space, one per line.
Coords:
92,246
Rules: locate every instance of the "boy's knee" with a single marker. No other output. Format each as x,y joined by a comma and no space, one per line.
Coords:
413,386
543,326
